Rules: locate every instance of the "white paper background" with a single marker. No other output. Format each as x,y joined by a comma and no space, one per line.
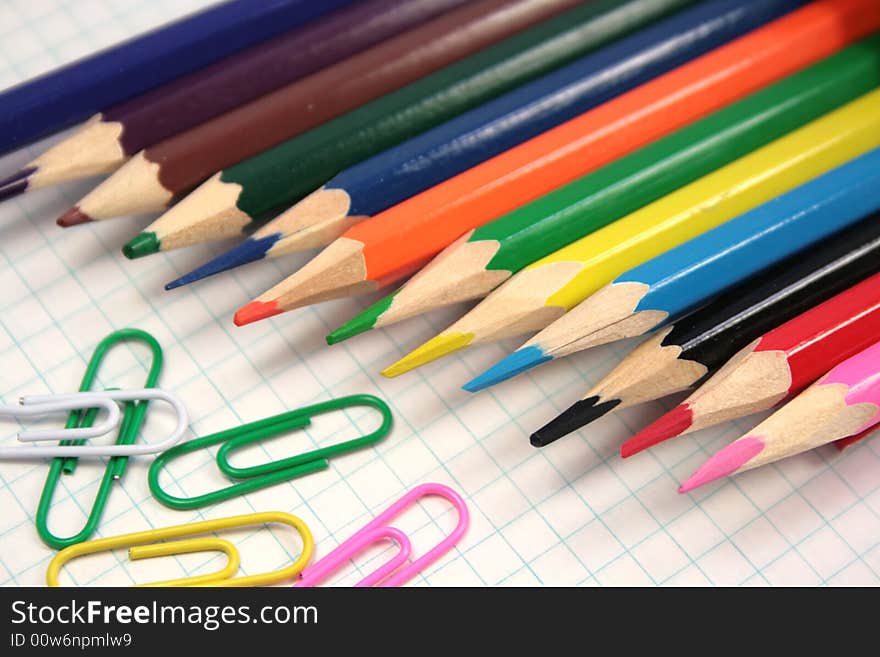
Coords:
571,514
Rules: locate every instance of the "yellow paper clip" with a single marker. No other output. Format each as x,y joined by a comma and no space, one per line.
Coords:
144,545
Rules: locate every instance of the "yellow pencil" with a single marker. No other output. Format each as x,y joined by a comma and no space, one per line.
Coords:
549,287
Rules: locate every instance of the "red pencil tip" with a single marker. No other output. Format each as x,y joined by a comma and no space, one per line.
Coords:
73,217
667,426
255,311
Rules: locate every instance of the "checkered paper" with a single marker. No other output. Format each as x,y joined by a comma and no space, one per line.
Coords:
571,514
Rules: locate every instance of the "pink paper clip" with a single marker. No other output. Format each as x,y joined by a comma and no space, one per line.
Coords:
377,530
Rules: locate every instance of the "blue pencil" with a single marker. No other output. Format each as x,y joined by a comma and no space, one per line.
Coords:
378,183
680,281
72,93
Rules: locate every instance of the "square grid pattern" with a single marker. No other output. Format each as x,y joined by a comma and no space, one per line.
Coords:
570,514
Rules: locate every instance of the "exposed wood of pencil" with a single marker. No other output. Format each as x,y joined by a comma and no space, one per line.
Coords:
652,370
172,230
606,316
136,189
456,274
92,150
338,271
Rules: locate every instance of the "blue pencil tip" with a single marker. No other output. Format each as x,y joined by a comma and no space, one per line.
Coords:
250,250
516,363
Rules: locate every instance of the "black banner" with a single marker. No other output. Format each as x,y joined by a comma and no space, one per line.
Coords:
94,619
411,620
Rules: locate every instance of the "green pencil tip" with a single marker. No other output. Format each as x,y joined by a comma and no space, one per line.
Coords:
142,245
362,322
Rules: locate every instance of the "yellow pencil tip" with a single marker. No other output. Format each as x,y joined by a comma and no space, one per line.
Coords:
436,347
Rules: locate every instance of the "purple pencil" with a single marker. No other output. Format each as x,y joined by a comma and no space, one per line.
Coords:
108,139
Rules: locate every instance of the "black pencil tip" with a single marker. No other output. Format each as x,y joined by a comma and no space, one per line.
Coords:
573,418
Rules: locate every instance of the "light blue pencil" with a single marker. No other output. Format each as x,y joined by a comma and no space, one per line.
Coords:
683,279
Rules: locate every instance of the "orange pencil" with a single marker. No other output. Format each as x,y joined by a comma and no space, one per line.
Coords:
398,241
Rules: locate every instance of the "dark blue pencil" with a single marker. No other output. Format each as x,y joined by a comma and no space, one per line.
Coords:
74,92
414,166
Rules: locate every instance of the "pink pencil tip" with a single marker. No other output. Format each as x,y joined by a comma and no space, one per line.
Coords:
724,462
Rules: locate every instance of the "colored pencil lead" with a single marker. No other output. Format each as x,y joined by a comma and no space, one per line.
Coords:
436,347
15,184
573,418
251,250
363,322
516,363
670,424
73,217
254,311
724,462
141,245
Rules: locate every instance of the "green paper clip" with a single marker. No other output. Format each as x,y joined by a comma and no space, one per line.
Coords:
274,472
130,427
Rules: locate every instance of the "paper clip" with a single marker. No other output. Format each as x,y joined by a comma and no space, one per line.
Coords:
144,545
133,419
83,401
27,407
267,474
388,574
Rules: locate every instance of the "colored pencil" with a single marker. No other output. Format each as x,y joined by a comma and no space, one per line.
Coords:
262,184
484,258
844,402
542,292
150,180
672,285
109,138
775,367
72,93
547,161
679,357
375,244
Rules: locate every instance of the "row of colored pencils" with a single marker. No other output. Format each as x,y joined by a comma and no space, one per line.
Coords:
706,171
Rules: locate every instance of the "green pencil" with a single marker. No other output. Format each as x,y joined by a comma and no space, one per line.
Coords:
483,259
254,189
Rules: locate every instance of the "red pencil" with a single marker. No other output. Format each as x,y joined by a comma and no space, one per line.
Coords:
776,367
843,443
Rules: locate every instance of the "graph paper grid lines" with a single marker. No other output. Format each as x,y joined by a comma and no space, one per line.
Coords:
570,514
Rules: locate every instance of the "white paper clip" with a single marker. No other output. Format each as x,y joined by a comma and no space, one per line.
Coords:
62,403
40,405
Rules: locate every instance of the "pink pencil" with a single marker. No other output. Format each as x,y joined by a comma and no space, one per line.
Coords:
844,402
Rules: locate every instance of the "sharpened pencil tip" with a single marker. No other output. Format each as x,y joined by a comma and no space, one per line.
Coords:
73,217
142,245
437,347
250,250
15,184
573,418
724,462
515,364
363,322
255,311
667,426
